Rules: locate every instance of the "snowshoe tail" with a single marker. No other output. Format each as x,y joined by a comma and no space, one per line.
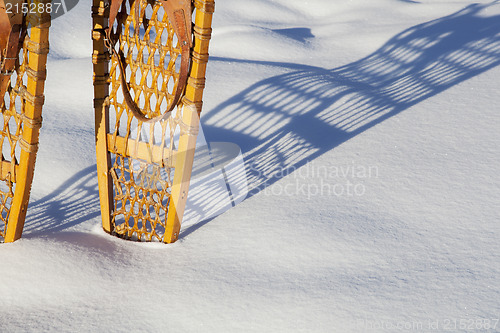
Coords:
149,61
24,48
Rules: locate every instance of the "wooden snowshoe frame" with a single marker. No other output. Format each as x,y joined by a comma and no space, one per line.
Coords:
22,84
144,163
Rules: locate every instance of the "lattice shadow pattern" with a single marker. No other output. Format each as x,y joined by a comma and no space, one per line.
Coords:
304,113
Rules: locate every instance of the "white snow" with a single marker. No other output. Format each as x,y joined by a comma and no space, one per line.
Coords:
370,135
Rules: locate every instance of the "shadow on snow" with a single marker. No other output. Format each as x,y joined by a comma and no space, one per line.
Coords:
73,202
285,121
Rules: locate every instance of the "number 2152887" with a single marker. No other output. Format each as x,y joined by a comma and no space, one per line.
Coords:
32,8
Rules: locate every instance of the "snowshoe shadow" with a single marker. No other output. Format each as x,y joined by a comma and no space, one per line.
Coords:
73,202
283,122
308,111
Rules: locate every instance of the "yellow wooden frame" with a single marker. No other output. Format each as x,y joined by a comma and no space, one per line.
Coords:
181,159
21,170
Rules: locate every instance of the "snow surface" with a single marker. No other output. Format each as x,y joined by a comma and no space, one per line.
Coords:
370,135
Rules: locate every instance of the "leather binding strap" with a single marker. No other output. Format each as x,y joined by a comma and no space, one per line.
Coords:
179,13
11,35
